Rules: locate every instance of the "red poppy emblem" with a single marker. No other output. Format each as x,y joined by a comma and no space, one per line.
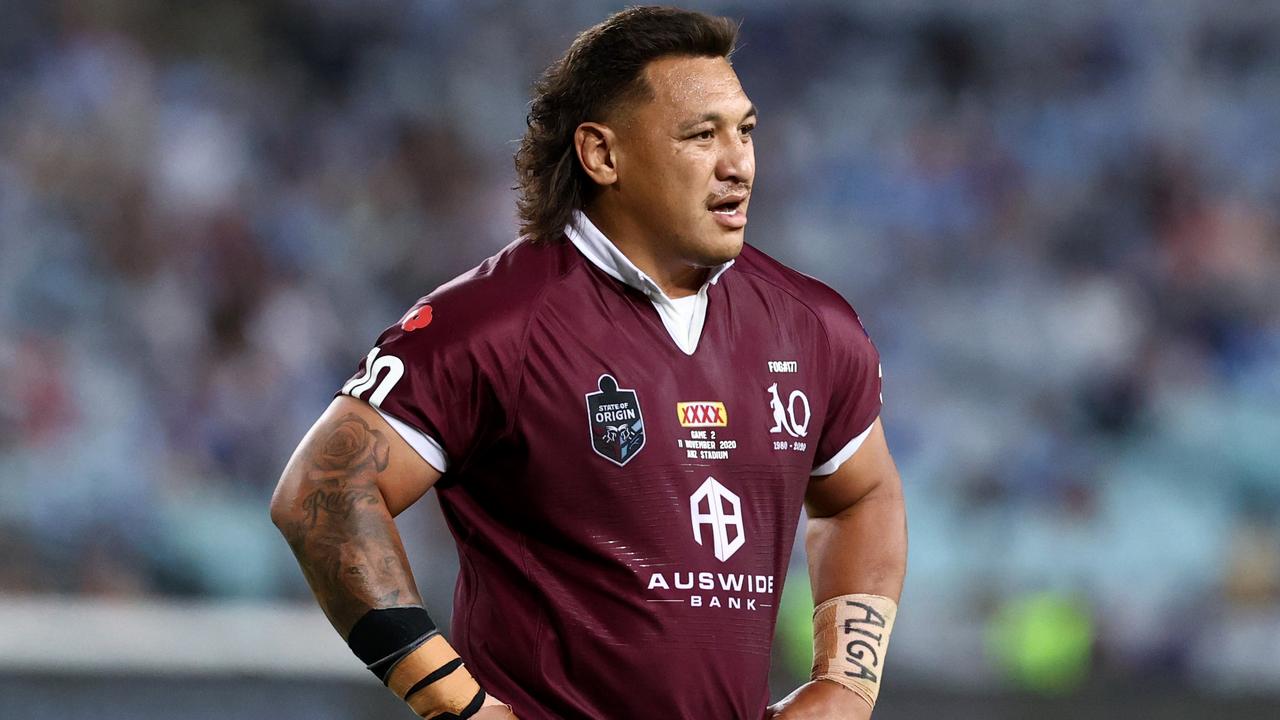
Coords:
416,319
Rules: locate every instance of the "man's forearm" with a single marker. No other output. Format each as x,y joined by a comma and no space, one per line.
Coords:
862,549
335,518
858,552
332,508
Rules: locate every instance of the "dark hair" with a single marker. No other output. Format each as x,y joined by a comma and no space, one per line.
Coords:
604,65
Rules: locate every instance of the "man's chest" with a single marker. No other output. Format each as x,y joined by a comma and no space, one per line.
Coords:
618,423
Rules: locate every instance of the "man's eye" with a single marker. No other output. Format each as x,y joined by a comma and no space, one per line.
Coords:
705,135
746,129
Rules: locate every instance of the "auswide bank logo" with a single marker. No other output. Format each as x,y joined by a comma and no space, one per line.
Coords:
617,427
718,510
702,414
717,524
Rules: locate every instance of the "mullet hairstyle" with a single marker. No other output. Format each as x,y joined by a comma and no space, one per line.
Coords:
603,67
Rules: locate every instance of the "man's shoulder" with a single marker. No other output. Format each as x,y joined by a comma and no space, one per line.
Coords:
503,291
805,292
489,306
520,269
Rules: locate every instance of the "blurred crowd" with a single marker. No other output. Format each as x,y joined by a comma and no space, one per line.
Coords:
1059,224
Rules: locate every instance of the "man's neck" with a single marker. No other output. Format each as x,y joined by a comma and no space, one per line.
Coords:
676,278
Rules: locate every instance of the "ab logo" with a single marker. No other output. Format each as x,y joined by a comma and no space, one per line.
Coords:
617,427
785,417
723,513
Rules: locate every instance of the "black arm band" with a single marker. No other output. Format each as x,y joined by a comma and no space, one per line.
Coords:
384,636
440,673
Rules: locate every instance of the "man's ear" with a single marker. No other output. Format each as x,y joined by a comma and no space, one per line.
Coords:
596,146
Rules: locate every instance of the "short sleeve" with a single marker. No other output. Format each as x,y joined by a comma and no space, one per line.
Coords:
855,399
435,376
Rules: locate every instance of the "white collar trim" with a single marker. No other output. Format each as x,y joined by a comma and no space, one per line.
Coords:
602,253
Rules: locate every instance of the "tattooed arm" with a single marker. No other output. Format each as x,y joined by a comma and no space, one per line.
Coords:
335,504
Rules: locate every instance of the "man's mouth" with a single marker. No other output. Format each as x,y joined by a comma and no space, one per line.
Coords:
730,210
727,204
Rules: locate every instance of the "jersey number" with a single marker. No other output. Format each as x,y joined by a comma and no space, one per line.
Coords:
373,368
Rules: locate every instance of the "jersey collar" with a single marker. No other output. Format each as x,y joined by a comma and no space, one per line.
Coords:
602,253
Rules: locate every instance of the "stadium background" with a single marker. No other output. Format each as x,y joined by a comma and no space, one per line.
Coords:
1058,221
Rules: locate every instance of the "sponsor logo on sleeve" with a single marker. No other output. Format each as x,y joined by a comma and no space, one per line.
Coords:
702,414
616,424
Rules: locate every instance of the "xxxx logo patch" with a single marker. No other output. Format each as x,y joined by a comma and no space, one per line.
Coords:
702,414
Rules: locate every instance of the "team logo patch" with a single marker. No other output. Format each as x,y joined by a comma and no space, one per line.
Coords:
791,416
702,414
617,427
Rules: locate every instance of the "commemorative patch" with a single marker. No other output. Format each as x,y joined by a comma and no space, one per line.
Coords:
617,427
418,317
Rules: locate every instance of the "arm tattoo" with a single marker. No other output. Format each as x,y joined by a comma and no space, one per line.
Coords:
344,470
341,531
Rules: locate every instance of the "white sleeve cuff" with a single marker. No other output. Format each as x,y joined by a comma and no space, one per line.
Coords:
422,443
844,453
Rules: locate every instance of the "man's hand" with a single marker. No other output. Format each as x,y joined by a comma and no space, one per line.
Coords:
820,700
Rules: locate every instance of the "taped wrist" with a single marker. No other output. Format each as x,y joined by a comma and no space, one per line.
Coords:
850,637
384,636
405,650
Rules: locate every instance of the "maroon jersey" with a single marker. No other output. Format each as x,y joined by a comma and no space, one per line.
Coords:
623,473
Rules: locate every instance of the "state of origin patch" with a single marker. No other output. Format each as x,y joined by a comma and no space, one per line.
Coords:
617,427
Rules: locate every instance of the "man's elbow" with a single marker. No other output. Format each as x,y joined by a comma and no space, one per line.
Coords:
283,505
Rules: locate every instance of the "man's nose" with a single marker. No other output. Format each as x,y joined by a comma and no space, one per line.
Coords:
737,162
